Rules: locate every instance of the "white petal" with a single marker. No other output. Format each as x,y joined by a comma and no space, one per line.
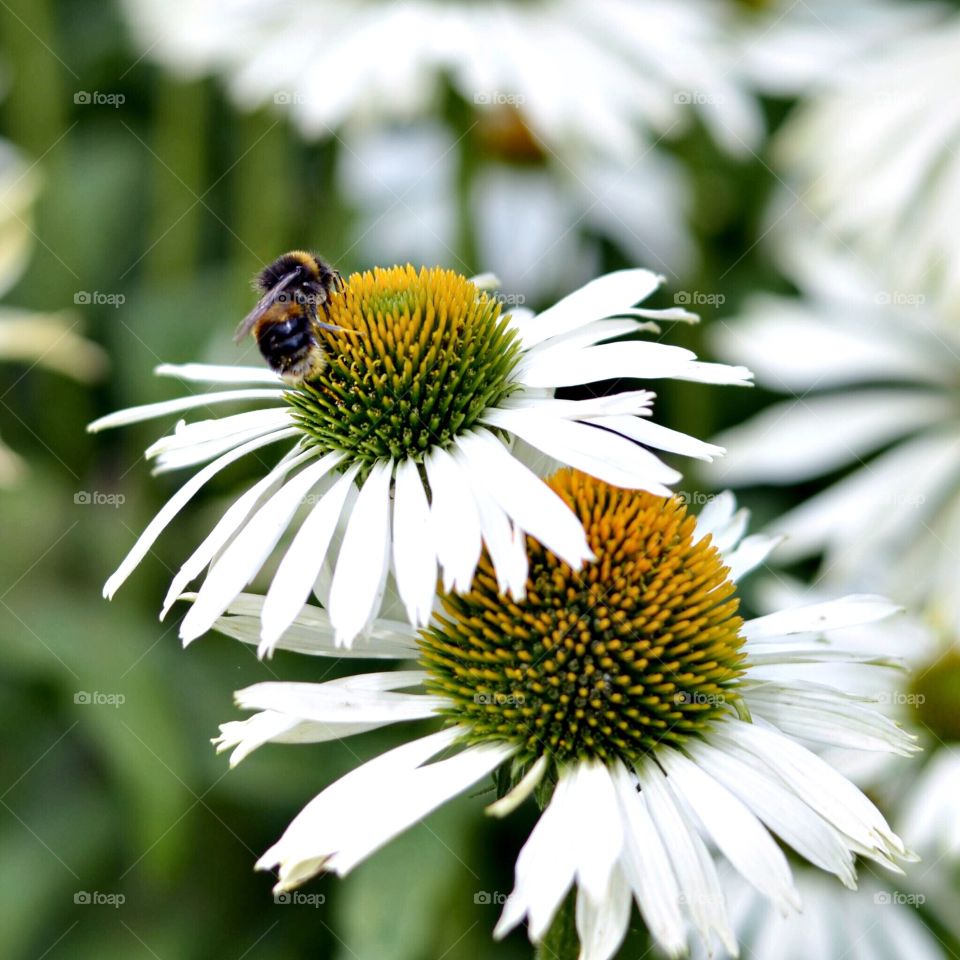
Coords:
752,552
454,520
851,611
176,503
597,452
296,573
217,373
635,402
735,831
414,555
228,524
647,867
312,633
599,841
361,570
602,924
716,515
600,298
530,781
529,502
312,836
239,563
150,411
780,809
663,438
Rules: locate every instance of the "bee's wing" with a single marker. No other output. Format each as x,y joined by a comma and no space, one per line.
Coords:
330,326
264,304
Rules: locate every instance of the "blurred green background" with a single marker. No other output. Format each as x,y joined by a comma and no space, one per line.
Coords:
161,208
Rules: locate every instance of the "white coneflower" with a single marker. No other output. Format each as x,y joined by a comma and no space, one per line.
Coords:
613,76
631,694
873,157
412,440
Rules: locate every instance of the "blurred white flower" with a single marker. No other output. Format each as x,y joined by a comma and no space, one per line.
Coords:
878,920
871,374
610,75
665,722
873,156
440,396
791,49
28,337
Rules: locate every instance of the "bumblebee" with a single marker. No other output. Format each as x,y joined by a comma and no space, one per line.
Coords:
286,320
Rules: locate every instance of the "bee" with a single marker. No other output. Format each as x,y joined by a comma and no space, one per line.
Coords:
286,320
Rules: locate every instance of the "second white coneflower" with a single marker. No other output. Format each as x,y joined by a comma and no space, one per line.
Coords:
412,444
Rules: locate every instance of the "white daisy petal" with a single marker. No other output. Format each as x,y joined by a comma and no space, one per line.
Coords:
855,610
246,554
598,299
527,784
217,373
750,554
176,503
361,571
414,554
602,923
228,524
151,411
598,452
530,503
654,435
454,520
298,570
733,828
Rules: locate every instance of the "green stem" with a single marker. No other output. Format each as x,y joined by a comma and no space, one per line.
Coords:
560,942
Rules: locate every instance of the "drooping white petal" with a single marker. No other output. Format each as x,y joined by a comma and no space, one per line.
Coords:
296,573
602,923
217,373
692,865
414,554
227,525
545,868
454,520
310,839
654,435
176,503
529,502
599,841
528,783
246,554
636,402
505,542
312,633
780,809
854,610
733,828
598,452
647,867
600,298
361,570
150,411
